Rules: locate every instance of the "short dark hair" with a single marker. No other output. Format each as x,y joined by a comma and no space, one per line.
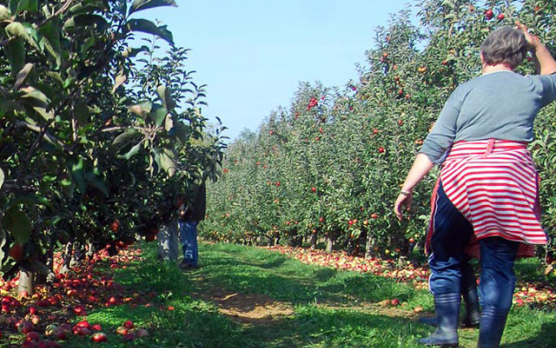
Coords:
505,45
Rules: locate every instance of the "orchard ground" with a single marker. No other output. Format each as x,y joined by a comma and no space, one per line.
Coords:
244,296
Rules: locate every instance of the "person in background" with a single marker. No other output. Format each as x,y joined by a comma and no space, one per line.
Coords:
488,186
189,218
188,238
168,232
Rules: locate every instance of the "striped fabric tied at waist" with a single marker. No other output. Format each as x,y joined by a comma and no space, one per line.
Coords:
494,184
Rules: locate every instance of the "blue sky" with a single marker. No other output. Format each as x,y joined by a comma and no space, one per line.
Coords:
253,54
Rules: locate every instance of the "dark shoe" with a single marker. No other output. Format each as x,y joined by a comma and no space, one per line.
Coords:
492,327
447,313
184,265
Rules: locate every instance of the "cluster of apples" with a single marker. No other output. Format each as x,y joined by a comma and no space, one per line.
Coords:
342,261
44,318
540,294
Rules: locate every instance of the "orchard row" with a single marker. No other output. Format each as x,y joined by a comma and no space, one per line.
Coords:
330,165
98,133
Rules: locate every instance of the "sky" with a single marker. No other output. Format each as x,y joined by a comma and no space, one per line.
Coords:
253,54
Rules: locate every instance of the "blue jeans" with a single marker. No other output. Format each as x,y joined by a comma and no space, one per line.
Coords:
188,238
451,235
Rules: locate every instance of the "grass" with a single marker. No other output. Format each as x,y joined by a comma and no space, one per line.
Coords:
331,308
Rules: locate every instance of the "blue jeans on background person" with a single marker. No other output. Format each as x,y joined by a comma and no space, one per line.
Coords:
188,238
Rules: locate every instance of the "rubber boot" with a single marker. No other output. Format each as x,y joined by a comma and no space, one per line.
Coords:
429,321
447,313
470,297
492,327
472,310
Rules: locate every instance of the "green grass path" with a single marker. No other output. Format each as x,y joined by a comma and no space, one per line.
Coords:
327,308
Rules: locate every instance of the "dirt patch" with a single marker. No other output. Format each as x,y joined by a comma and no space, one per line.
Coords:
249,308
380,308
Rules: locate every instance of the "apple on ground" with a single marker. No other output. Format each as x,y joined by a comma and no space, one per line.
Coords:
99,337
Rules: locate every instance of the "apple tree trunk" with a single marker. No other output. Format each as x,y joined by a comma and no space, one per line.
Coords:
26,282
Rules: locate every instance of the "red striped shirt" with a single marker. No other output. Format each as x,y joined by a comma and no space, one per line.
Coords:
494,184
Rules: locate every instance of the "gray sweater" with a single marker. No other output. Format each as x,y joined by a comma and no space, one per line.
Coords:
500,105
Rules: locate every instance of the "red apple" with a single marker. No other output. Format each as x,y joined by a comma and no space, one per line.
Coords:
83,323
99,337
25,327
489,14
29,344
79,310
32,336
121,330
128,324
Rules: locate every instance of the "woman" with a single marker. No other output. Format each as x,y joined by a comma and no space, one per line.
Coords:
488,186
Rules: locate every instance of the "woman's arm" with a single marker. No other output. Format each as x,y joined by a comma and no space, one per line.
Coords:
546,64
421,166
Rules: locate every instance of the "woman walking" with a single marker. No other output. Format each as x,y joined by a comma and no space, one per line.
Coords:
488,186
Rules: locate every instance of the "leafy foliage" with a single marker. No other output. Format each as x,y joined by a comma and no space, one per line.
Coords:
87,123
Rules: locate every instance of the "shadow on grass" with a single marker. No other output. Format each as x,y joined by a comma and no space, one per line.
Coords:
546,338
288,280
317,327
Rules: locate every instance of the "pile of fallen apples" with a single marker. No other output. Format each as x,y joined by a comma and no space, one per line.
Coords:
57,312
539,294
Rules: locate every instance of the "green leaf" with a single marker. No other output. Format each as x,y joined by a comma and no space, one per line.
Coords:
168,123
167,162
22,75
7,106
5,14
2,177
3,241
30,6
133,52
40,268
17,223
142,110
139,5
166,97
51,40
98,183
81,112
31,200
181,132
15,51
120,80
158,115
90,19
146,26
78,176
134,150
124,139
16,30
47,115
34,97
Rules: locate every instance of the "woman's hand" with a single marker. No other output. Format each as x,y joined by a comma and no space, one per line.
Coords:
546,65
532,39
421,166
403,201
